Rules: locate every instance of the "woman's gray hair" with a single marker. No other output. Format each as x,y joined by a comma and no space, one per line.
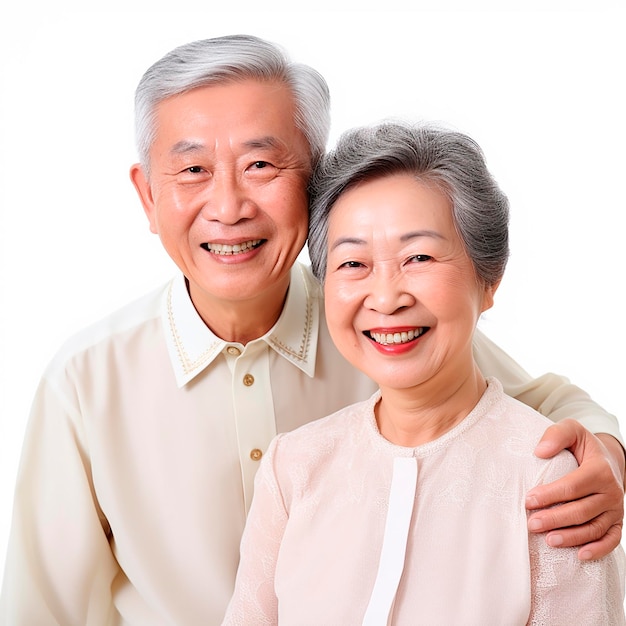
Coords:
226,59
433,155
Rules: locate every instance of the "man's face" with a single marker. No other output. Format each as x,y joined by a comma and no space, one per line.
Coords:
227,189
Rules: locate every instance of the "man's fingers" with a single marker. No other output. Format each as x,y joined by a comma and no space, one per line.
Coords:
579,535
586,507
596,537
586,511
598,549
594,541
573,486
558,437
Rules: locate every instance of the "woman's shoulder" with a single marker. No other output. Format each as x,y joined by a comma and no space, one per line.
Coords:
335,426
517,429
322,442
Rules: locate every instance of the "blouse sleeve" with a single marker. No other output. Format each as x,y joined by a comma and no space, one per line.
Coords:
565,590
552,395
254,599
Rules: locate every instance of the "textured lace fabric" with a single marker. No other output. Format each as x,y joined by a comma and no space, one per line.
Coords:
561,584
312,545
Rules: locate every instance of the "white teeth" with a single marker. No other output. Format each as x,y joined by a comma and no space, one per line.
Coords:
391,338
224,248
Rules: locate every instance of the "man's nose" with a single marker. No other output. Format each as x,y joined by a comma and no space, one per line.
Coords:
227,200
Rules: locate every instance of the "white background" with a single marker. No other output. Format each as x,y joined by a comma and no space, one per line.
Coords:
542,92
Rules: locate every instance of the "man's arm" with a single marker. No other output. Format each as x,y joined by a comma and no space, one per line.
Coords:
59,567
591,499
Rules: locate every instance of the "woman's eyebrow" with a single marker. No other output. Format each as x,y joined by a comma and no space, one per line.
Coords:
421,233
416,234
340,241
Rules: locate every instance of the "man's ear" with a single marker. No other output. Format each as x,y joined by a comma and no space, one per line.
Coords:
144,191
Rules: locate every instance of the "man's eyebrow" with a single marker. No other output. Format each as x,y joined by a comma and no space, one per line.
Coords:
416,234
264,142
185,145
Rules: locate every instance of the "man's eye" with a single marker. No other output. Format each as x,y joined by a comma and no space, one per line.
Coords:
263,165
194,169
262,171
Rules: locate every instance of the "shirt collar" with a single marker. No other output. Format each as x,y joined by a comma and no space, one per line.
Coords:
192,346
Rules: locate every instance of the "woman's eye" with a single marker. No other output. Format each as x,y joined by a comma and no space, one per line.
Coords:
420,258
259,165
351,264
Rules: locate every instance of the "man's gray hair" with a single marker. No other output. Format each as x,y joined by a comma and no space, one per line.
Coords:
226,59
448,159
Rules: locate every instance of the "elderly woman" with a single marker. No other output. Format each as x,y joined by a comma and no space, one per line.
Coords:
408,508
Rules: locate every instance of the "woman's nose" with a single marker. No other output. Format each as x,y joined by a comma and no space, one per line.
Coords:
387,293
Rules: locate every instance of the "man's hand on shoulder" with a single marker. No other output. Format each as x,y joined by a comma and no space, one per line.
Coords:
590,500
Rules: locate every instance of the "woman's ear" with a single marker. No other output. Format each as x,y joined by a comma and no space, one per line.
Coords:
488,296
144,191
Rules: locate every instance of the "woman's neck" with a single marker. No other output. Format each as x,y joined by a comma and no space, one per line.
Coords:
415,416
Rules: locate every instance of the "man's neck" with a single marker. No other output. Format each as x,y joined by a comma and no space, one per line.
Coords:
241,321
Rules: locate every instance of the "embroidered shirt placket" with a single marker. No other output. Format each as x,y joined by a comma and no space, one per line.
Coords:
254,410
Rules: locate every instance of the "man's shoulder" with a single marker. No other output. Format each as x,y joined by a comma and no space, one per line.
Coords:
129,318
313,286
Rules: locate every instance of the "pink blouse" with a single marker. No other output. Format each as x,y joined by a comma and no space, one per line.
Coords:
347,528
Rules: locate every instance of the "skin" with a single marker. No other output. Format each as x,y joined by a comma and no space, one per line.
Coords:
227,170
229,166
397,266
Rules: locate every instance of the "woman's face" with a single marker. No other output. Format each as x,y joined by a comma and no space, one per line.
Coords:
402,296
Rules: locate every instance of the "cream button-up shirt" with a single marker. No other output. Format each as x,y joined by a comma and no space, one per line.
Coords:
145,435
252,372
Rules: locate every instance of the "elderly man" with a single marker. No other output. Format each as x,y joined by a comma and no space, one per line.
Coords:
147,428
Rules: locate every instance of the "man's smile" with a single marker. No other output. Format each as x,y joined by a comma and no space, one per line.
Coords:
228,249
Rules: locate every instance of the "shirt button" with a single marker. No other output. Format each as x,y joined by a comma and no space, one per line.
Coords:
256,454
248,380
233,351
